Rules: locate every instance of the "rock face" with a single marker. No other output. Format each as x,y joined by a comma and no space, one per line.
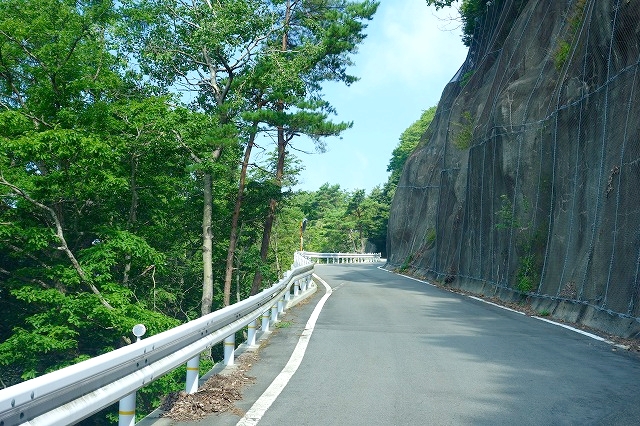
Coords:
528,180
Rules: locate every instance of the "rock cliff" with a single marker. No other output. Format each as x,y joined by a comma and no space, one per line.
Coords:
527,183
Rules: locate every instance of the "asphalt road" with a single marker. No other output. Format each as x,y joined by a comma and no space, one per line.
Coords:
388,350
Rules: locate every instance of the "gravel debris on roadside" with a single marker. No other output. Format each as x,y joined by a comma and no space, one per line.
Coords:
218,395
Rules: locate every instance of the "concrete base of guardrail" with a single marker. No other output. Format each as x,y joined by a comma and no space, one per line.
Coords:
156,419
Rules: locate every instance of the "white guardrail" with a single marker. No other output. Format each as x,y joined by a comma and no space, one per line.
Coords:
342,257
73,393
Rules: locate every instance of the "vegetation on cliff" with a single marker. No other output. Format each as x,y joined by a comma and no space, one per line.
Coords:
530,173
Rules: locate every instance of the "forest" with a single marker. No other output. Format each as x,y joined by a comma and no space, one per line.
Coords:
128,187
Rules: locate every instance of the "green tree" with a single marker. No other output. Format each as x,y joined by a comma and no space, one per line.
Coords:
379,202
313,45
202,47
77,140
471,11
409,139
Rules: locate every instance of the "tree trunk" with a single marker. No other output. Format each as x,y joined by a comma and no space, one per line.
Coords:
207,246
233,239
273,203
282,142
207,238
264,248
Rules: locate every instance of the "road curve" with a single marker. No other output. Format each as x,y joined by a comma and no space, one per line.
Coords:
388,350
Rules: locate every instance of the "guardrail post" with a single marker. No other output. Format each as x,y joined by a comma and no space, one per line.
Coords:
193,373
296,288
127,410
265,321
274,314
127,405
251,333
229,348
281,305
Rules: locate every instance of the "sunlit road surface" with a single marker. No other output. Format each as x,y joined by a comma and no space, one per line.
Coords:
388,350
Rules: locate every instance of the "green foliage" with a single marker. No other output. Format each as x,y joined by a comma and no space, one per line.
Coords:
526,275
409,140
471,13
466,77
338,220
464,135
505,217
574,22
406,263
561,54
430,237
439,4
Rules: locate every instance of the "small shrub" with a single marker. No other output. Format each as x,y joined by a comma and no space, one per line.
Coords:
406,263
430,238
506,219
283,324
526,273
561,54
466,77
464,136
575,20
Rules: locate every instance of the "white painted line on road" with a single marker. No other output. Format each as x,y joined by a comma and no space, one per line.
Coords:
496,305
416,279
260,407
577,330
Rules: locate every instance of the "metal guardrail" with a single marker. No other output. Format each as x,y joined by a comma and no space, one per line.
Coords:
73,393
343,257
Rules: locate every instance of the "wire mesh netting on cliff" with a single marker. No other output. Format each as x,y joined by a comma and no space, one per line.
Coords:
529,176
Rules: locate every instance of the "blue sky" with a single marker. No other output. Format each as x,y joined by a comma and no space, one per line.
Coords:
410,54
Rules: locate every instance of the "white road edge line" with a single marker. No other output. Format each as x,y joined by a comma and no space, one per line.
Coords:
260,407
577,330
559,324
496,305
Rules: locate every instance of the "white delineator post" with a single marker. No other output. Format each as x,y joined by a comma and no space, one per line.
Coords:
265,321
127,410
281,305
229,348
251,333
127,405
193,373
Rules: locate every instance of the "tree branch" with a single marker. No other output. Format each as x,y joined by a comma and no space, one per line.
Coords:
60,235
193,155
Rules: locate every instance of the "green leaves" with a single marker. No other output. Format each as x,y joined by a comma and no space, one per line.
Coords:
53,54
111,115
409,140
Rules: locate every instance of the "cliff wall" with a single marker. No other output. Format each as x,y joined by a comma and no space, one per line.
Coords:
527,183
